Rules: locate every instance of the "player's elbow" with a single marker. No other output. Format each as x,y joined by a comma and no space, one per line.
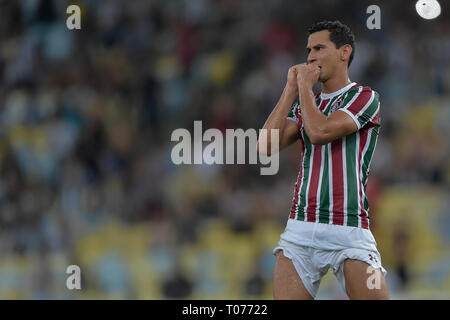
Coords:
319,140
319,137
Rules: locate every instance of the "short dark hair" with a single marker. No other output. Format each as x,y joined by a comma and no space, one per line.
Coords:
340,34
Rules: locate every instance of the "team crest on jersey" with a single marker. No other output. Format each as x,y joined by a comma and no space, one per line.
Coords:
336,105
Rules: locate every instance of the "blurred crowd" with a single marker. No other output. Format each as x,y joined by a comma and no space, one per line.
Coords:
86,118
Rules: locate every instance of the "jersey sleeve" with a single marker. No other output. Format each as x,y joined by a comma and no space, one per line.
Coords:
294,112
362,105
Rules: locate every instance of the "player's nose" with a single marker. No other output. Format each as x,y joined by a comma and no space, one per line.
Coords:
311,57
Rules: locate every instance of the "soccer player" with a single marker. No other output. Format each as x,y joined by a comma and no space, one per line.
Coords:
328,225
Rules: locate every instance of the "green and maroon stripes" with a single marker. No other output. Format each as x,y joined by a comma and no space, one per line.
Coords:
352,95
337,188
299,181
369,110
307,159
366,159
310,186
300,184
324,205
363,147
295,199
314,183
351,208
331,185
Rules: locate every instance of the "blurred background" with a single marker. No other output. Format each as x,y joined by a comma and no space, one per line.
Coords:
86,117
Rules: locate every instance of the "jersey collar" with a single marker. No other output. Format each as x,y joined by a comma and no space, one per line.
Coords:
333,94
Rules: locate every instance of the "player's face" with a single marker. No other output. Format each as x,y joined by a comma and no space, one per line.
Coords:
323,52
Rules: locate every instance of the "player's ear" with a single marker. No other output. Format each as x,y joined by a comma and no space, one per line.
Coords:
345,52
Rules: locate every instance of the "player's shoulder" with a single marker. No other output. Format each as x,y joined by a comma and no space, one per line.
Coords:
361,89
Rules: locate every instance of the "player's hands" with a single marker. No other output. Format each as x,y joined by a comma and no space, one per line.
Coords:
307,75
291,85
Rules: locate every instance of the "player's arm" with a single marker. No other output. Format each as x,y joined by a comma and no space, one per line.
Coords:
288,130
319,128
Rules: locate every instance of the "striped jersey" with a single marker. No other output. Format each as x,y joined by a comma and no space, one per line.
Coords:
331,184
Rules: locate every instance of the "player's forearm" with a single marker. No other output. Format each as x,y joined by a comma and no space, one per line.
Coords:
314,121
277,119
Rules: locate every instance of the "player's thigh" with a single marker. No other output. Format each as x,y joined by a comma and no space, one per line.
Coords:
364,282
287,284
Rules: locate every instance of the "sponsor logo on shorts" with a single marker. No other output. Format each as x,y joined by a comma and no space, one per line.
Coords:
373,258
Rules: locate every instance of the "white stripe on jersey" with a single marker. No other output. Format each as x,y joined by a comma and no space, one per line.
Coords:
330,183
344,173
358,209
319,185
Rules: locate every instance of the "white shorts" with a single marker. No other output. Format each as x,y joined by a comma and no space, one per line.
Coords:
312,264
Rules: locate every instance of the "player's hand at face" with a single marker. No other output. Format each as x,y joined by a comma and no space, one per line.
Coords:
307,75
291,84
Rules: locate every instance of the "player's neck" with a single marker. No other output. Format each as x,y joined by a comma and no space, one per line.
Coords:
336,83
